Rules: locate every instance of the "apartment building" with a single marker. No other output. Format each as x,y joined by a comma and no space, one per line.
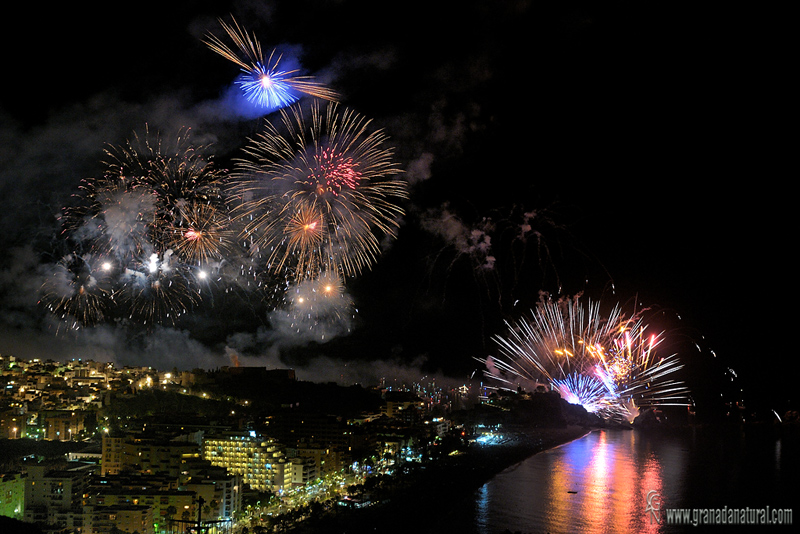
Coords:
260,461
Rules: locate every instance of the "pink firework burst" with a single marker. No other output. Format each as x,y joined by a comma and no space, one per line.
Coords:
333,173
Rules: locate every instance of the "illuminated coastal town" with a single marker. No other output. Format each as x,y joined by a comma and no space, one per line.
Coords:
100,449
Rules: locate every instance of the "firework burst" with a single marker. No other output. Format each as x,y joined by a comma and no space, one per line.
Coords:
608,364
158,212
146,190
263,81
176,176
316,198
559,339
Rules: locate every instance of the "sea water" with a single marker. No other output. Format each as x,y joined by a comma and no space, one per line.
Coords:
620,481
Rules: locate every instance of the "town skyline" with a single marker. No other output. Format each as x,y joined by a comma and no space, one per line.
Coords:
149,447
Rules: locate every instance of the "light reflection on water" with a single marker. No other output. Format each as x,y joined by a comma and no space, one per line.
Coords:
597,484
600,483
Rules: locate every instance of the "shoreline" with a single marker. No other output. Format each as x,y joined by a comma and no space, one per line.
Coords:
423,501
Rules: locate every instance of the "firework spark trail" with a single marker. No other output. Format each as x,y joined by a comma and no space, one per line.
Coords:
608,364
313,198
263,82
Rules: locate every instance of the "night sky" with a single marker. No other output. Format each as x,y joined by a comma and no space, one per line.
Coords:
630,135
